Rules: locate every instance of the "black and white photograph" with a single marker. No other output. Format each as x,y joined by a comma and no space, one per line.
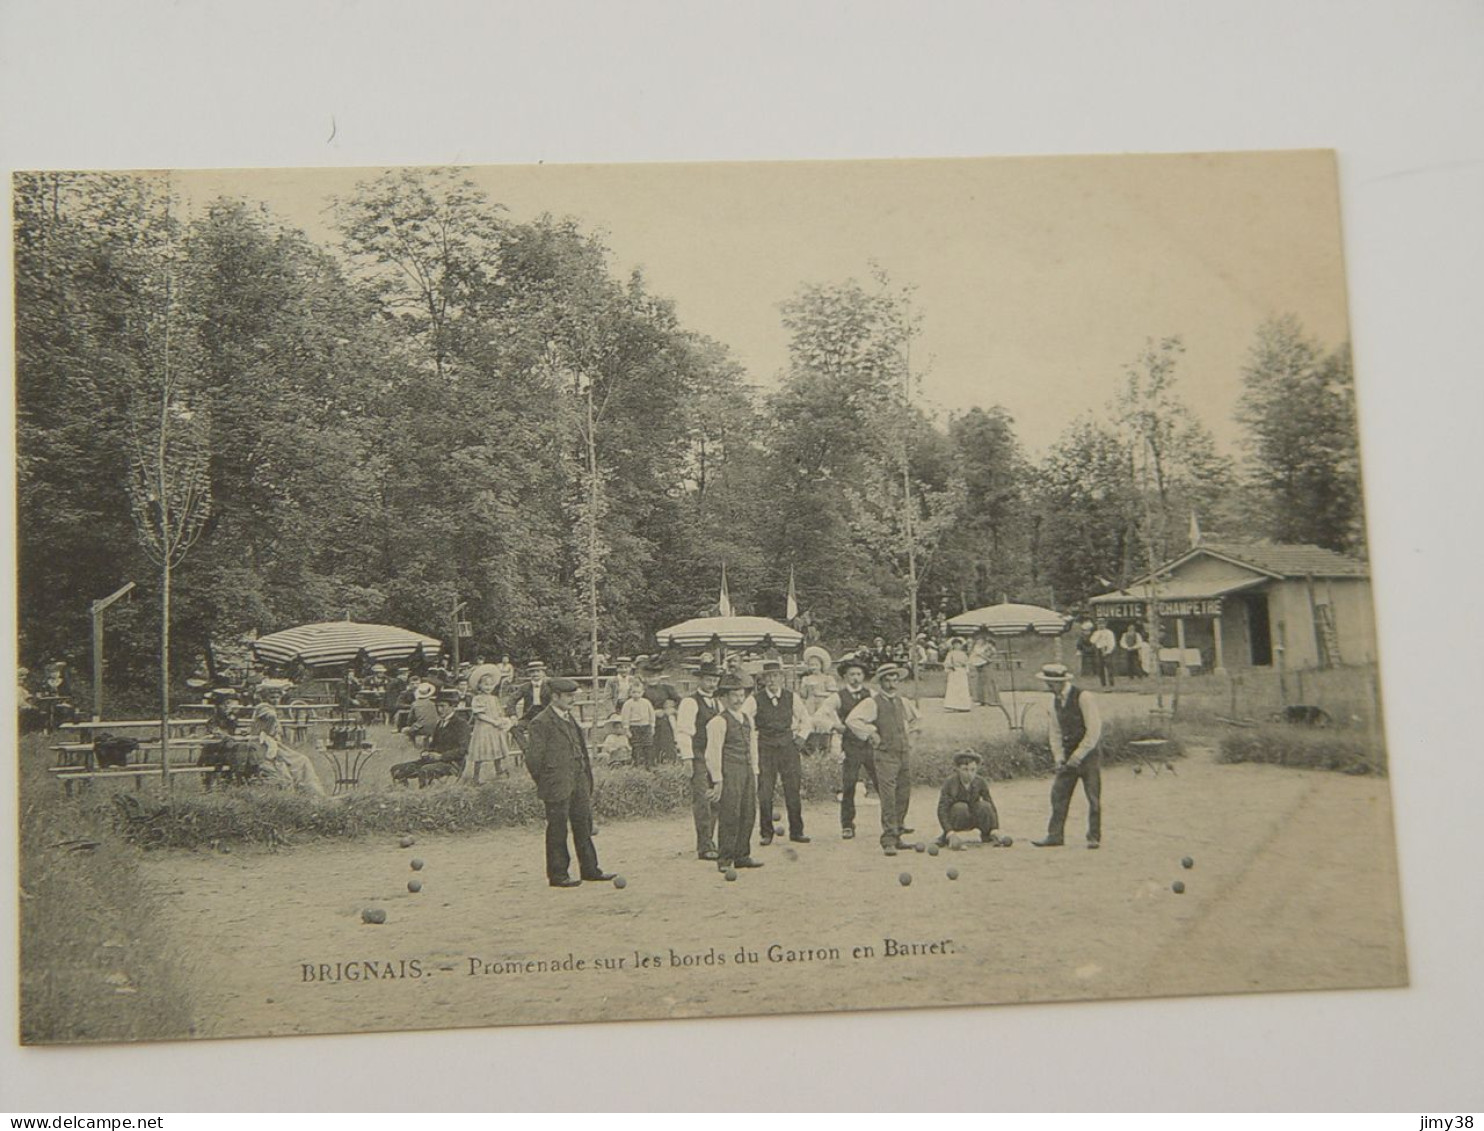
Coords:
467,596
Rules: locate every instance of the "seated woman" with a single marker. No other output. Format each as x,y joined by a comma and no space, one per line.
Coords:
278,762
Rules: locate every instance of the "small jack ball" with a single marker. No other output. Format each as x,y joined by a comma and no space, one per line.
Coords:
1138,769
731,874
1178,887
919,847
1187,862
932,850
953,873
905,879
407,842
414,886
620,882
417,865
1007,841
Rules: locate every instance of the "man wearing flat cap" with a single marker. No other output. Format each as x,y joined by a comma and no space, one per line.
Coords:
964,802
782,727
884,720
558,762
731,760
1076,730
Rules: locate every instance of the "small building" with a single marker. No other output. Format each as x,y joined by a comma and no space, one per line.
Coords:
1255,604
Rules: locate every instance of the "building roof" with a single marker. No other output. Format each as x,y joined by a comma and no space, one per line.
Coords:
1282,559
1180,589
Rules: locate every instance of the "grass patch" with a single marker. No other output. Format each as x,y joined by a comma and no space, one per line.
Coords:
1349,752
95,964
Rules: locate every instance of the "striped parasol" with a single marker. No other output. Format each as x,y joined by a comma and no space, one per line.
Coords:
339,642
733,632
1010,620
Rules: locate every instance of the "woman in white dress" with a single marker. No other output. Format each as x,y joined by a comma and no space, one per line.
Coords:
956,664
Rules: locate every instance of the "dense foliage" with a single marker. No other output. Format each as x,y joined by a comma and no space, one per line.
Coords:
450,404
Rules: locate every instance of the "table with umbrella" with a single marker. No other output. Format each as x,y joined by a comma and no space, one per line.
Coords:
1008,622
339,644
721,633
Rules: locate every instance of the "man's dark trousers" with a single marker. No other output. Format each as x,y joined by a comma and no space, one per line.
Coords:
575,812
737,810
981,815
779,758
858,757
894,785
1090,773
702,808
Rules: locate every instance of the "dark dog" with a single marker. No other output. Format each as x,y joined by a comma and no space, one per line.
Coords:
1300,715
111,751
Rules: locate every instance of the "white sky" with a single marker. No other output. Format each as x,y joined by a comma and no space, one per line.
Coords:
1038,278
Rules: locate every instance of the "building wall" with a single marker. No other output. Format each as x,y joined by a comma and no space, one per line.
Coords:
1213,569
1236,640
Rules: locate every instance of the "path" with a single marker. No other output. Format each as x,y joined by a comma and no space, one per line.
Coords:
1294,887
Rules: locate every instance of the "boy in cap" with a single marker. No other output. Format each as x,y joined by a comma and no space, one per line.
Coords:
964,802
731,760
782,727
883,720
1076,730
558,762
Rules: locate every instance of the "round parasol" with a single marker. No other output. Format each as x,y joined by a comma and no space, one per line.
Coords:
1010,619
331,643
733,632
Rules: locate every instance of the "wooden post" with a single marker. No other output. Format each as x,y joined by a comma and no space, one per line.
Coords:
1220,664
97,609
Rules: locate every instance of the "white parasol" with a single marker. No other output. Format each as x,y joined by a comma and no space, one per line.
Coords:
732,632
331,643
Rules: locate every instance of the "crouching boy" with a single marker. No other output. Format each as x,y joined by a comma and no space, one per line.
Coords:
964,802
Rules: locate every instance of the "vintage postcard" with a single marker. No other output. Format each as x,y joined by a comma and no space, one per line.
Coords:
511,595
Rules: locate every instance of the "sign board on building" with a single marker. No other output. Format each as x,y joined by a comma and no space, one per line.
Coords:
1135,610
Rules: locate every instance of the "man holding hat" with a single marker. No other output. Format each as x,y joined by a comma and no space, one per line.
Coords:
691,721
732,761
558,762
964,802
1076,730
782,729
883,720
422,716
857,752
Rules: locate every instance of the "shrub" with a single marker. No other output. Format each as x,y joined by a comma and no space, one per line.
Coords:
1349,752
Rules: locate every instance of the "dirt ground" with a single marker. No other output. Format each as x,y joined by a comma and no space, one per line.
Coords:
1294,887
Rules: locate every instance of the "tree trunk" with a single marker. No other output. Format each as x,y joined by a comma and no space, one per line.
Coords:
165,671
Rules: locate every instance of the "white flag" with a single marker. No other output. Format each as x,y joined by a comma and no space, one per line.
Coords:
793,598
724,604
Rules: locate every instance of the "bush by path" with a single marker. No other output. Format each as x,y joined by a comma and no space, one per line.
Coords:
1351,752
270,817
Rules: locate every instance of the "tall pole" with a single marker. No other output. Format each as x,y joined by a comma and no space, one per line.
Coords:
592,540
907,505
458,607
97,609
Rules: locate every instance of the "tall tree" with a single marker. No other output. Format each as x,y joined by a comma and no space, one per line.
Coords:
1298,405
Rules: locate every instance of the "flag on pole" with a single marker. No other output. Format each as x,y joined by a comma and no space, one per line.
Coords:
792,612
1195,529
724,604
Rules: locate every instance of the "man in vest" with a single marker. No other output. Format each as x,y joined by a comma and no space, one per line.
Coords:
732,760
883,720
1076,730
856,753
782,729
557,759
690,735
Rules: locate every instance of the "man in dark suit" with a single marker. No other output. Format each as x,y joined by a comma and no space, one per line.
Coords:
447,747
964,802
557,758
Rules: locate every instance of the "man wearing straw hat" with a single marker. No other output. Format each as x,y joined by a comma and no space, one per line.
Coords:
856,753
1076,730
732,761
883,720
695,712
783,727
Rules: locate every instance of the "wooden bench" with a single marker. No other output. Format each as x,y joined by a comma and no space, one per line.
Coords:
67,775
